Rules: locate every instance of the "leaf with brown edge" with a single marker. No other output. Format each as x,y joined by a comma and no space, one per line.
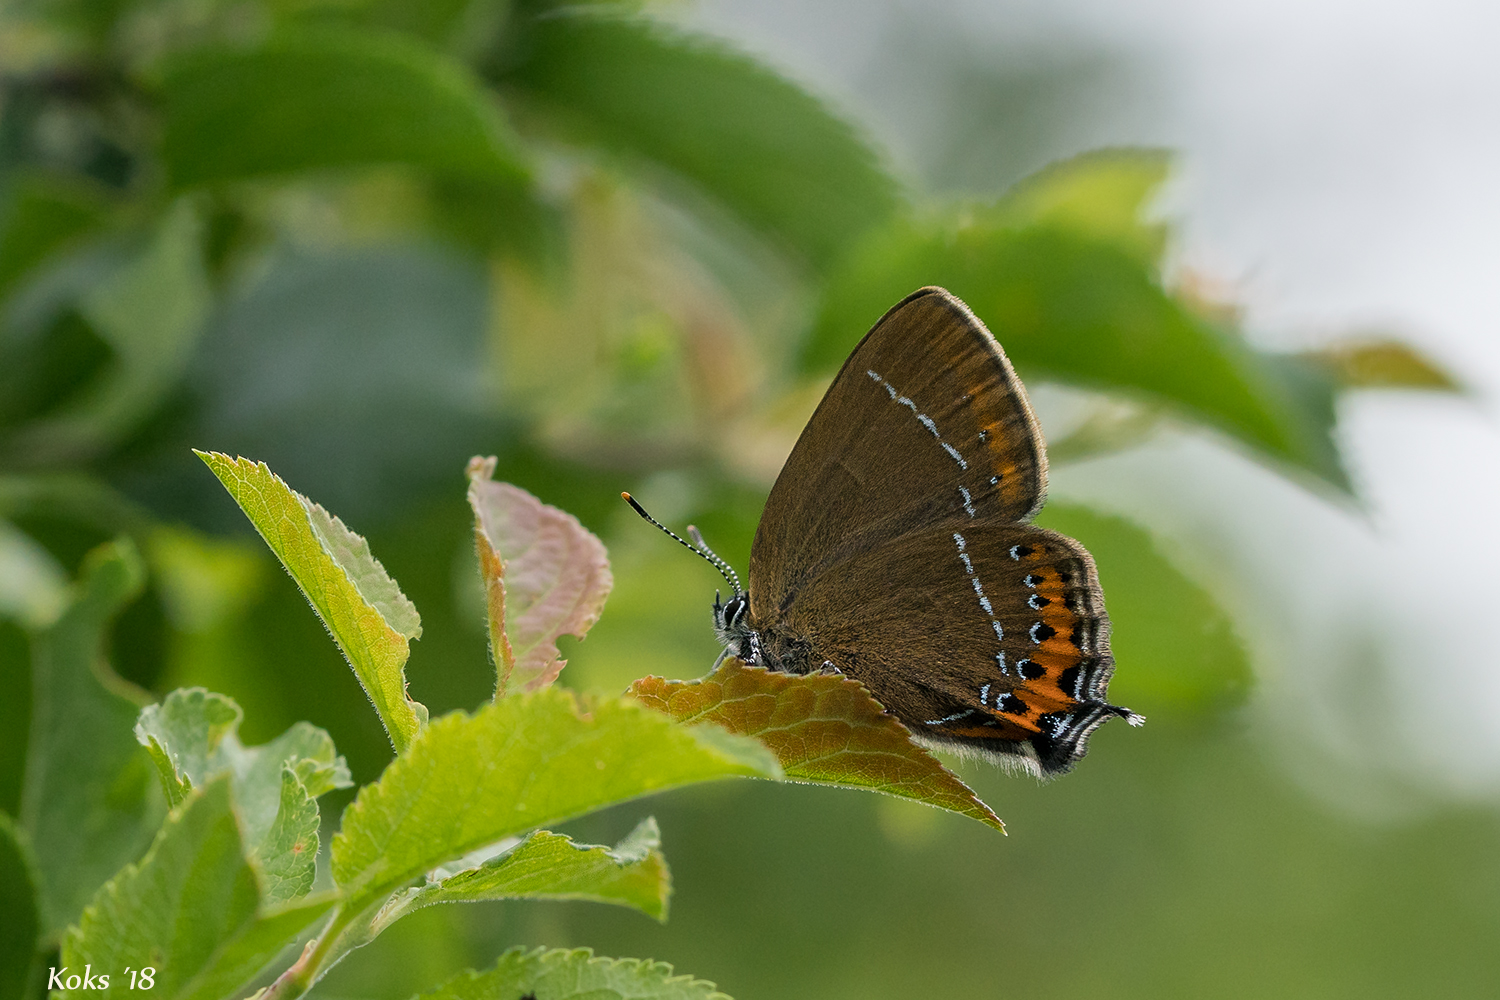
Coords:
545,575
822,728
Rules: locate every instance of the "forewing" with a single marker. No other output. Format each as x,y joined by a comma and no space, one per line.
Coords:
926,421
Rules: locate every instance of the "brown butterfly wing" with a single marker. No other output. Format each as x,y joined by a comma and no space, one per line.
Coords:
892,547
1002,646
925,418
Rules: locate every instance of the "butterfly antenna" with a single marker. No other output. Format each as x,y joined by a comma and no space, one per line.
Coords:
725,570
702,551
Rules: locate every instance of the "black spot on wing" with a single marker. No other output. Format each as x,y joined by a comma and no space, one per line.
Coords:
1068,681
1011,705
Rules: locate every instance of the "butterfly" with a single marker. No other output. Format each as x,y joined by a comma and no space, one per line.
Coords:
895,548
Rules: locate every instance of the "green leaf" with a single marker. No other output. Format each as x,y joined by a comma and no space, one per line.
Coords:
1085,313
33,586
823,728
146,304
183,734
452,24
364,609
40,216
488,218
286,857
550,866
310,100
15,711
1175,651
192,737
573,975
1100,195
517,764
150,310
88,804
191,910
20,931
321,364
1080,303
545,575
761,145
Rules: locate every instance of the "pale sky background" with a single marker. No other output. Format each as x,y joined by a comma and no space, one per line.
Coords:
1339,163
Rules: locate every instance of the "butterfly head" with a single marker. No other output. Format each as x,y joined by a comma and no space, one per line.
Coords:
731,617
732,626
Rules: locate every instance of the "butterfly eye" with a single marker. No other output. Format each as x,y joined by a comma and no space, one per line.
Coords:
736,610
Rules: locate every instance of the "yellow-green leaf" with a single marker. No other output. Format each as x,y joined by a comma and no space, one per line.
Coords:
1383,364
191,911
368,616
550,866
517,764
573,975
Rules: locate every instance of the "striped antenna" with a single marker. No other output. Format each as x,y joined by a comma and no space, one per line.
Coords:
725,570
701,549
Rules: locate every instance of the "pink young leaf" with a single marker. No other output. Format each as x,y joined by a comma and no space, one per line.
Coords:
545,575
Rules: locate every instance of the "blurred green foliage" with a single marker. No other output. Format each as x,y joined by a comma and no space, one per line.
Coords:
363,240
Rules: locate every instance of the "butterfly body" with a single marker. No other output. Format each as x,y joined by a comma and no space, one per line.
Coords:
895,548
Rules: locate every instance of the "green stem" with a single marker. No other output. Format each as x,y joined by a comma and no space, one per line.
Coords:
309,968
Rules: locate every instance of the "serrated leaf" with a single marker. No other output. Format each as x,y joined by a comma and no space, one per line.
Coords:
1082,304
192,737
517,764
823,728
88,804
573,975
545,575
1175,650
20,931
184,734
761,145
190,910
364,609
550,866
307,100
1382,364
286,857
